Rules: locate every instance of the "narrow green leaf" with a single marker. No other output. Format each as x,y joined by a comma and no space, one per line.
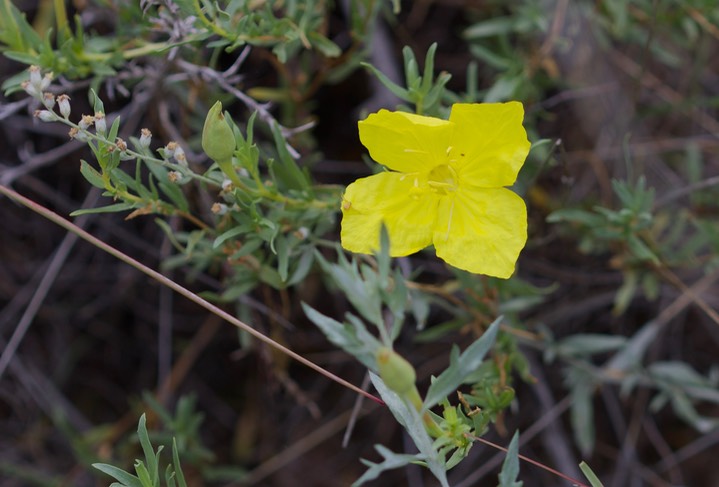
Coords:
170,477
396,90
584,344
283,256
287,171
233,232
510,467
144,438
178,468
582,412
127,479
302,267
92,175
96,102
391,461
323,44
114,129
410,419
104,209
489,28
591,476
428,75
143,474
461,366
411,70
353,339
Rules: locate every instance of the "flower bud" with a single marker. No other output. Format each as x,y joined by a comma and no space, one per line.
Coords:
145,138
395,371
45,115
46,81
63,102
86,122
30,89
218,140
121,144
180,156
219,208
35,76
74,133
37,83
301,233
170,149
48,99
100,123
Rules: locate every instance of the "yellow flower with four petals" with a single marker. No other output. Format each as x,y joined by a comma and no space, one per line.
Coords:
446,186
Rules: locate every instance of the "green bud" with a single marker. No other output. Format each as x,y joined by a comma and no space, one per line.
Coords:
505,397
395,371
218,140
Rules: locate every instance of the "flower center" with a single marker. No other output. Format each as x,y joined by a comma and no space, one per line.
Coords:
443,179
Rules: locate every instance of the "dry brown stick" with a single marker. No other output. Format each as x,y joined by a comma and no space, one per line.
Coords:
663,91
57,219
693,295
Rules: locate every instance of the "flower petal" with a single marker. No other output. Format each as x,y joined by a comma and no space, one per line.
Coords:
489,143
406,142
391,198
482,231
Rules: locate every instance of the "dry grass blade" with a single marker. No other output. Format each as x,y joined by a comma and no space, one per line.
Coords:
55,218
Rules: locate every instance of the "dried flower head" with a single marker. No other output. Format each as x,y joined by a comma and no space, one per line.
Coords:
120,144
86,122
75,133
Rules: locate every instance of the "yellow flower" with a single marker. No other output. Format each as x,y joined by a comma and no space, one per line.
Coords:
446,186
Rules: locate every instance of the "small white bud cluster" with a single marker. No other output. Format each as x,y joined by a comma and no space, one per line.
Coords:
37,84
173,150
80,132
121,145
74,133
86,122
35,87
